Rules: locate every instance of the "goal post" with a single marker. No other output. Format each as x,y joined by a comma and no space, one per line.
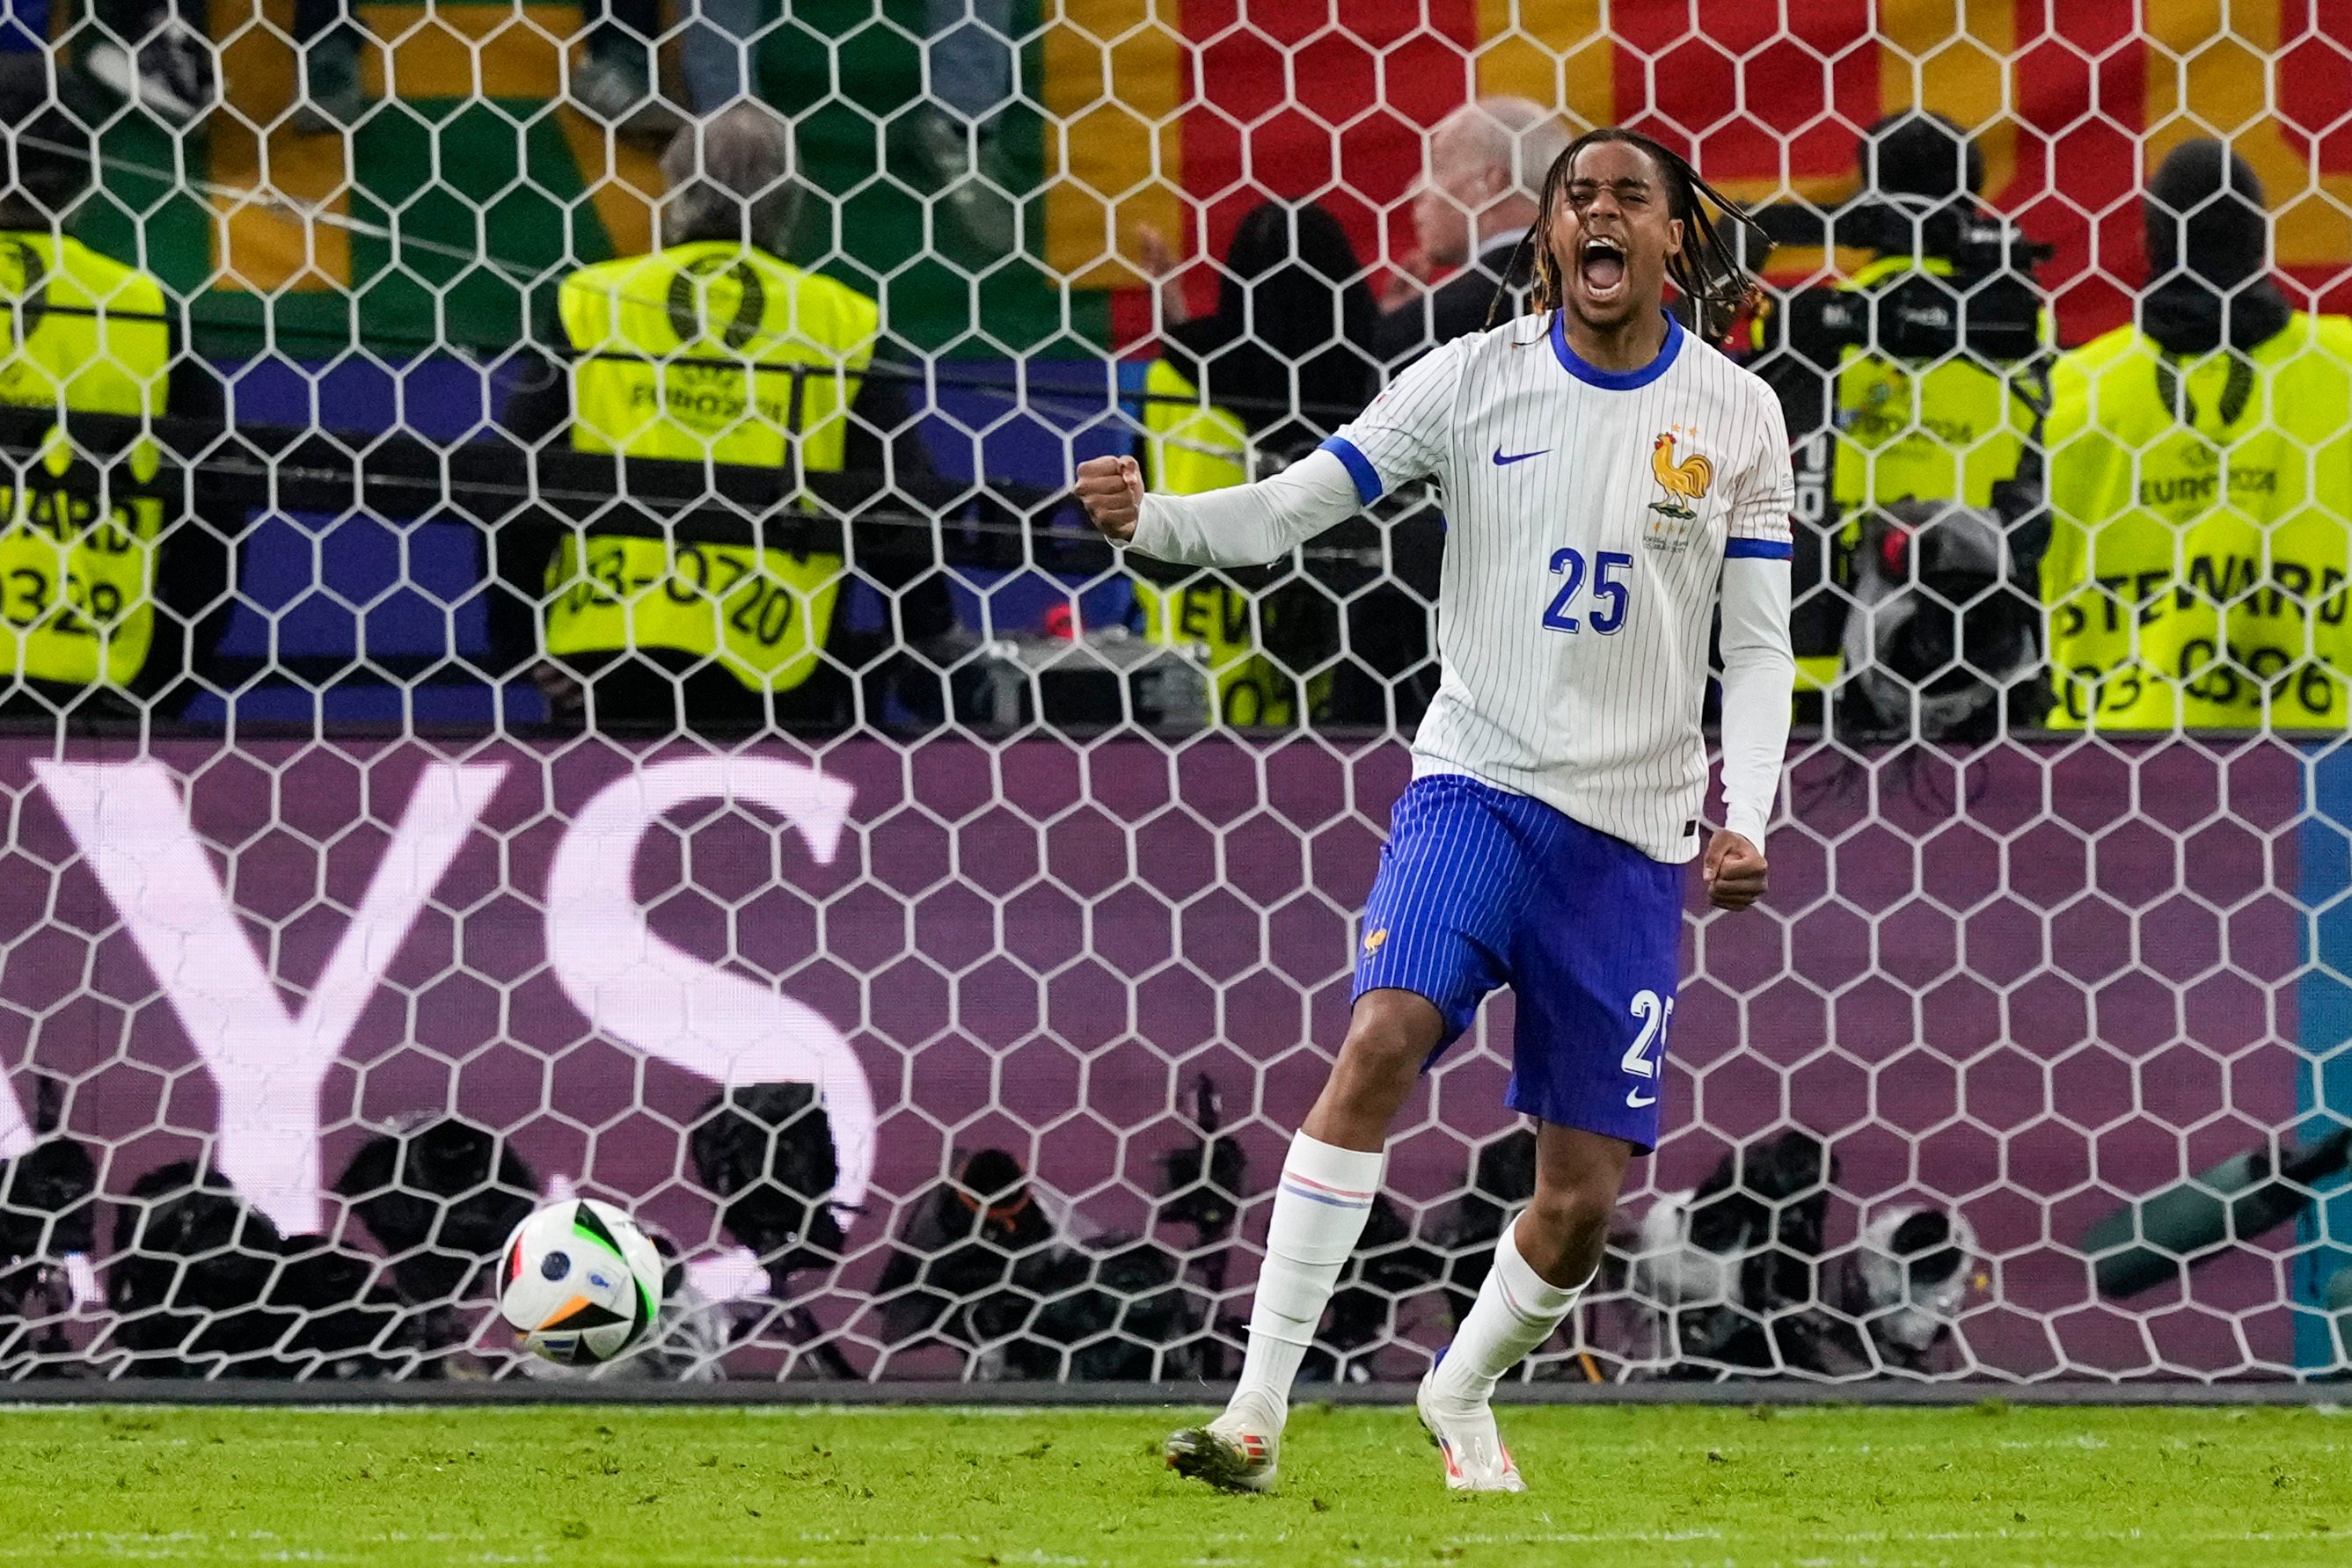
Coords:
945,1011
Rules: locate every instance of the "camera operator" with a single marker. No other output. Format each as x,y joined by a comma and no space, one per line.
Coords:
1911,389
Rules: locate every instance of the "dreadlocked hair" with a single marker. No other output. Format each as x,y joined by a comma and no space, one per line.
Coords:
1709,273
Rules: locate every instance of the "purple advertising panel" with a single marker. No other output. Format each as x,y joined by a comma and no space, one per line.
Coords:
2012,992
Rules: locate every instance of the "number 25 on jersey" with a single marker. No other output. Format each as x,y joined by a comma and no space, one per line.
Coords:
1609,590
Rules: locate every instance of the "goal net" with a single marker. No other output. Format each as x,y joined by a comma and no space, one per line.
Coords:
419,804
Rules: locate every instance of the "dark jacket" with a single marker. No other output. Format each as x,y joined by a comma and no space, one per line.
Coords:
1455,307
1287,348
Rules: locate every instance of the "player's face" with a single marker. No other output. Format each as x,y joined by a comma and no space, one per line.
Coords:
1611,237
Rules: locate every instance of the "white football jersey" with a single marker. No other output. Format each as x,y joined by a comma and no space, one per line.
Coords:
1588,513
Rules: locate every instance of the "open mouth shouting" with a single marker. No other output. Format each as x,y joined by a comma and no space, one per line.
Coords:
1600,268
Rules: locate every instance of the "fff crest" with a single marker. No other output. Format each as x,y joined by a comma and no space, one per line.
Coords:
1684,481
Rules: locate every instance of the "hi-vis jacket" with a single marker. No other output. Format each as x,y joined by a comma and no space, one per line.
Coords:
82,333
711,351
2196,575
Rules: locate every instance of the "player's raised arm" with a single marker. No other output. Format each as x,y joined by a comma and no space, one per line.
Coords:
1401,437
1759,672
1246,525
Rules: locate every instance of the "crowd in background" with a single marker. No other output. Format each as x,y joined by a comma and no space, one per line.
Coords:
1997,529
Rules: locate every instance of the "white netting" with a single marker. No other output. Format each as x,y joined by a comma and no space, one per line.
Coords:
935,935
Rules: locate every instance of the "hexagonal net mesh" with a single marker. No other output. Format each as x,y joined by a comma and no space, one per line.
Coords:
552,654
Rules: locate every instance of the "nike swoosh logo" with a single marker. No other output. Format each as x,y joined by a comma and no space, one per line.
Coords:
1503,461
1634,1100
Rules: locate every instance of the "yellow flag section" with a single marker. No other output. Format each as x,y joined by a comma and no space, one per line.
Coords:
2196,570
1190,445
88,334
718,353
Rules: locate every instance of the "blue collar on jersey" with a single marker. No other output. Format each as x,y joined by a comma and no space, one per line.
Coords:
1583,369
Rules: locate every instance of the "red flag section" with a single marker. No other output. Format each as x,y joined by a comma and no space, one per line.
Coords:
2071,105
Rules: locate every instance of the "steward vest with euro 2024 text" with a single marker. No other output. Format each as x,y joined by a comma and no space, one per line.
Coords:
1190,445
82,333
2201,513
710,351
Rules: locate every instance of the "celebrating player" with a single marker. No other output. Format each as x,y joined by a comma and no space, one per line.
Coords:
1609,481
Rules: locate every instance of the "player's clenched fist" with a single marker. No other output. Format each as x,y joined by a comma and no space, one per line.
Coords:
1111,490
1735,871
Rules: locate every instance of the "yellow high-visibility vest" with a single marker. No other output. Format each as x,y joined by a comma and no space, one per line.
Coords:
2200,509
1190,445
711,351
79,332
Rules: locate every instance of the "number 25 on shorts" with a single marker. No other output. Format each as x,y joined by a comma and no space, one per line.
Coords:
1609,590
1656,1012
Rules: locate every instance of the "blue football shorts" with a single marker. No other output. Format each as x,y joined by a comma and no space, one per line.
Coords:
1480,887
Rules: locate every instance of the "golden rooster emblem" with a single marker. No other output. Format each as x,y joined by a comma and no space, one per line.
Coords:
1685,482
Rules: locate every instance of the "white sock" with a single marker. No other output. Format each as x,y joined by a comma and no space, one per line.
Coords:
1517,1310
1319,1210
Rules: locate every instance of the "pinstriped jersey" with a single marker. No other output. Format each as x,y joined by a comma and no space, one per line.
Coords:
1588,513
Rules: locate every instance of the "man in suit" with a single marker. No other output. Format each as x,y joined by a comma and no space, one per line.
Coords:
1486,166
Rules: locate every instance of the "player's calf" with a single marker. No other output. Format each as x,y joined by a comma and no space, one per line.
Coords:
1519,1308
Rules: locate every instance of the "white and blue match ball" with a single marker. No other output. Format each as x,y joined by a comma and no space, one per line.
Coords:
580,1284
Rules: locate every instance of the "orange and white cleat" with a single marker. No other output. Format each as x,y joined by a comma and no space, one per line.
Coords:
1236,1452
1465,1435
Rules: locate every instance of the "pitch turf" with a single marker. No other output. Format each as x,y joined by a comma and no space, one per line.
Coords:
1656,1485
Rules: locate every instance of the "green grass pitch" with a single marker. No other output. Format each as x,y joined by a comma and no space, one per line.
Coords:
1657,1486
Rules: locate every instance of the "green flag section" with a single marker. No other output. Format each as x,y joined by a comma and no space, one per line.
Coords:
445,220
951,254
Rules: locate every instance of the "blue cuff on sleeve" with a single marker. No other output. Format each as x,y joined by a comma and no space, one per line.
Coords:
1758,550
1359,468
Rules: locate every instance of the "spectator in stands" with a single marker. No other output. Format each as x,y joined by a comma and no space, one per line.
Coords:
954,144
155,54
617,79
1909,389
1487,160
79,627
714,349
2201,485
720,52
1284,360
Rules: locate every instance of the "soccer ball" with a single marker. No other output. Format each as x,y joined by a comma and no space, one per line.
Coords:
581,1284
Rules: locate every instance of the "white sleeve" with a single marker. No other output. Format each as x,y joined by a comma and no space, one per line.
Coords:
1247,525
1761,515
1760,678
1759,669
1404,433
1400,437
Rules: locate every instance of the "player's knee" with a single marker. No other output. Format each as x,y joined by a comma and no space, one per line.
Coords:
1392,1031
1376,1065
1573,1217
